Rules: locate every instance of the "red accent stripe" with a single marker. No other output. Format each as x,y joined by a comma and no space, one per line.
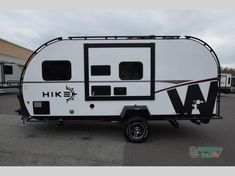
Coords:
66,94
188,83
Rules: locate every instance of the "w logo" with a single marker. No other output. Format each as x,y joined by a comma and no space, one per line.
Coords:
194,100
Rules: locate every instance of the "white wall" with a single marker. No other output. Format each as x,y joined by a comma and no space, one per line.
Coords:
12,59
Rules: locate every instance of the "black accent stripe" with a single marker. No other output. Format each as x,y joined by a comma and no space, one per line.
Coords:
123,81
188,83
173,81
116,118
118,45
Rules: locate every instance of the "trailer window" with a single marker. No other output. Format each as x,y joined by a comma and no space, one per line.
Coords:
56,70
100,70
119,90
229,80
233,81
8,69
100,90
131,70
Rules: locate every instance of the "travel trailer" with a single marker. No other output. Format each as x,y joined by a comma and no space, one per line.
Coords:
131,79
225,83
233,84
2,91
9,75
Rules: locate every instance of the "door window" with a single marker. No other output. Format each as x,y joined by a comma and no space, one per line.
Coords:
130,70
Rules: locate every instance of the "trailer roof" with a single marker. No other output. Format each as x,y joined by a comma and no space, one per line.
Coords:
125,37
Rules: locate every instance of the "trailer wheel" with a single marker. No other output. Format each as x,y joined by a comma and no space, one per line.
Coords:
206,121
136,129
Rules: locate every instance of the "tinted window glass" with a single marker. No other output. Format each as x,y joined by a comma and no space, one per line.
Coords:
100,90
131,70
8,70
100,70
233,81
229,80
56,70
119,90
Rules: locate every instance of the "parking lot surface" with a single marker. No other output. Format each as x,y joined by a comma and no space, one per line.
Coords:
103,144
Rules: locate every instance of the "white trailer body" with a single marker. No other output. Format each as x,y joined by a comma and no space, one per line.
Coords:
225,82
155,77
9,75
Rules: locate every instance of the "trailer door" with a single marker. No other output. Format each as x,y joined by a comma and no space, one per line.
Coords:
119,71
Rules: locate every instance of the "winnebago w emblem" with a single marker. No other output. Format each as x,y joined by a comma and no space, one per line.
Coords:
69,94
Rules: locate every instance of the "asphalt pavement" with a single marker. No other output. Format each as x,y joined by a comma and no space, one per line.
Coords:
103,144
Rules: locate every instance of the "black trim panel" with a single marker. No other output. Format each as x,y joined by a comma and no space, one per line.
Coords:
41,107
119,45
100,70
115,118
100,90
187,83
119,91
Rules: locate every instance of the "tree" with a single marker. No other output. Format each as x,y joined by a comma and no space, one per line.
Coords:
228,70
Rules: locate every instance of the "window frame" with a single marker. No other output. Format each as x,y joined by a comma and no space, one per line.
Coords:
116,89
88,97
102,86
229,80
6,72
142,71
70,70
108,72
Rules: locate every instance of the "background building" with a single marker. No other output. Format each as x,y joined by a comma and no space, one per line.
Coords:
10,52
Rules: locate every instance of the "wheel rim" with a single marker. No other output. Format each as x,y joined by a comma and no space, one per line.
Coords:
136,130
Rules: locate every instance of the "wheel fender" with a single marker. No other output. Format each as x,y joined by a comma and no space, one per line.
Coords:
130,111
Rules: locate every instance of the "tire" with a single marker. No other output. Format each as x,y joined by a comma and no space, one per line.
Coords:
136,129
206,121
